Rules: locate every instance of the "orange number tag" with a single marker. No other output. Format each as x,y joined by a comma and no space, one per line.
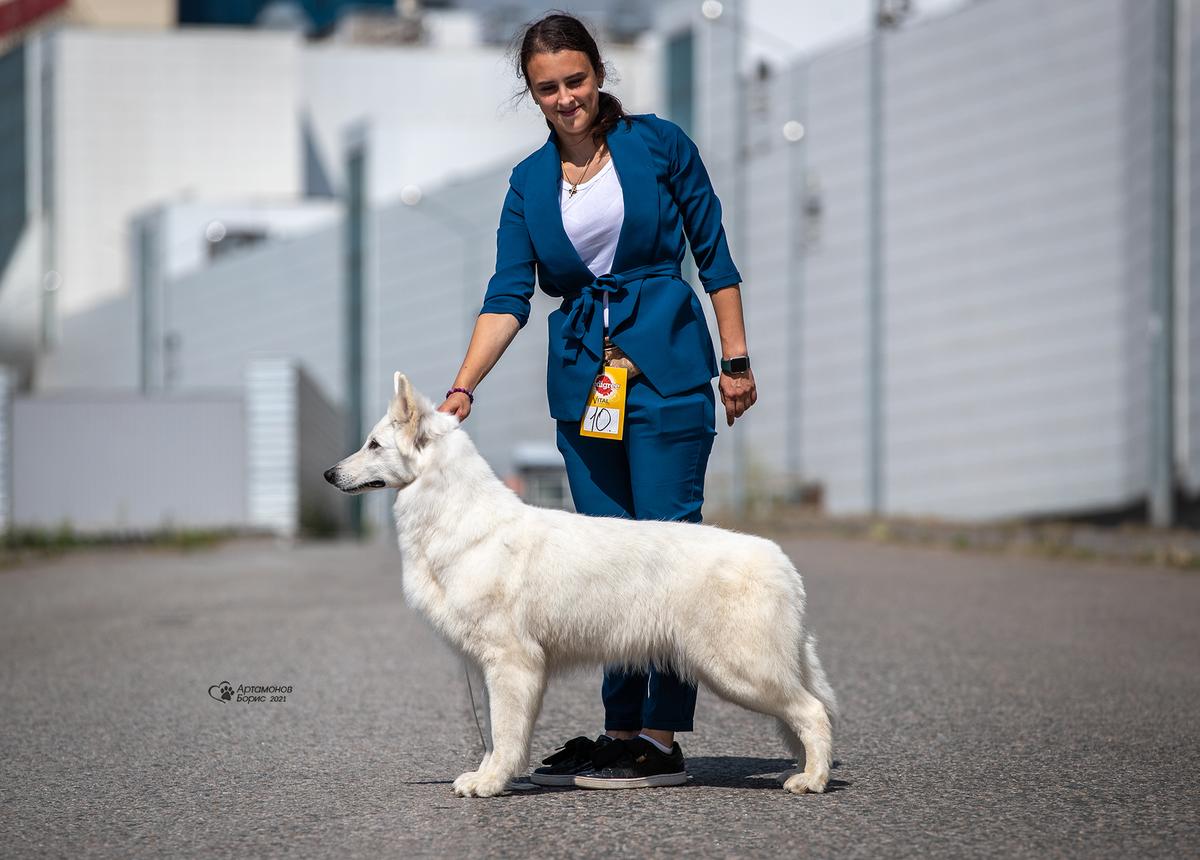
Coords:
604,417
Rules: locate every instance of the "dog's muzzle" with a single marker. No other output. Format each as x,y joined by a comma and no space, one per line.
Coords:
331,477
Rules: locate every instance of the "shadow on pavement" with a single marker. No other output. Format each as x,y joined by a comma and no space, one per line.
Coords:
721,771
745,772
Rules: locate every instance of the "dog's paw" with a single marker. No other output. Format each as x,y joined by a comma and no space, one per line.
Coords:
476,783
802,783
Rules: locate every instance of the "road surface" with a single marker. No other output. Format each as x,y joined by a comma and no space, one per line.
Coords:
992,706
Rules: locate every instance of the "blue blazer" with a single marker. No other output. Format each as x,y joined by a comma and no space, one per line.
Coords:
654,315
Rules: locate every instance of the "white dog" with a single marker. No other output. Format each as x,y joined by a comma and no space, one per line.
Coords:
526,591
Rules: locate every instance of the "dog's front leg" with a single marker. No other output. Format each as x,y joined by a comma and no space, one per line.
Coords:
515,687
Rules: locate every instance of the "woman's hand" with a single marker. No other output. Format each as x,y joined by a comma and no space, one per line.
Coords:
458,405
490,337
738,393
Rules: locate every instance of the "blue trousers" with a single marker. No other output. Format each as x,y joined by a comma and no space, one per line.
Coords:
655,473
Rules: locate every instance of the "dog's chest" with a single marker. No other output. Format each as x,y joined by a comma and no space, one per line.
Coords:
421,587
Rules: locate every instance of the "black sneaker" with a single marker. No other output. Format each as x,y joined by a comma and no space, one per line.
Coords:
573,756
635,763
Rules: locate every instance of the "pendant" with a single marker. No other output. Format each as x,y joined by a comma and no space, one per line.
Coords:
571,193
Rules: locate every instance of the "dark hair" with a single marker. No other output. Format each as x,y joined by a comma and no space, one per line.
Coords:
559,31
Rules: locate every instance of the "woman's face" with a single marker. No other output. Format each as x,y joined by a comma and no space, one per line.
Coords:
566,88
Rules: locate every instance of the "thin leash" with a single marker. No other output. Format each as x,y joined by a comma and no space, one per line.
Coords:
474,707
513,785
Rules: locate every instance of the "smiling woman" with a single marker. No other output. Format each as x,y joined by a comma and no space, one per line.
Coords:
567,90
597,217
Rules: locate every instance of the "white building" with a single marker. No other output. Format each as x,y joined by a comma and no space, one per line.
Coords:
1020,224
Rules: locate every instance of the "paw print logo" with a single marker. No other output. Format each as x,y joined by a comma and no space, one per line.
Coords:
222,692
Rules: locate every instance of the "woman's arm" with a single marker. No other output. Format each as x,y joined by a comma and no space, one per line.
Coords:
700,209
738,391
491,336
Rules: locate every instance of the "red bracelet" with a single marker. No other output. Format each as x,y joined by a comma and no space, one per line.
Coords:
470,396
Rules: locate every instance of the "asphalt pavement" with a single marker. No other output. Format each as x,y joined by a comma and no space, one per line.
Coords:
992,706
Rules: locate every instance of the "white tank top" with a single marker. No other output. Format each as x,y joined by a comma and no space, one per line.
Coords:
593,218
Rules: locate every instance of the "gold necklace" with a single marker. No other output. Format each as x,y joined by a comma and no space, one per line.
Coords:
586,166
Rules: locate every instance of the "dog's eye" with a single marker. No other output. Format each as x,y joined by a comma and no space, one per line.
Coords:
372,445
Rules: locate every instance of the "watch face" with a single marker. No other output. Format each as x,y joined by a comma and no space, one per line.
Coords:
737,365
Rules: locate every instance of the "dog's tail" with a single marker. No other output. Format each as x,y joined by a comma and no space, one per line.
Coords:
815,678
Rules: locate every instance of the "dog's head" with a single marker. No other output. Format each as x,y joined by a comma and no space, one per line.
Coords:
397,448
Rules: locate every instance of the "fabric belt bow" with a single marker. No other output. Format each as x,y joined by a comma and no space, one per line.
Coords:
584,327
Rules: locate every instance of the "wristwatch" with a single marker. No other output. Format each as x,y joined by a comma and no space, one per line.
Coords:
737,364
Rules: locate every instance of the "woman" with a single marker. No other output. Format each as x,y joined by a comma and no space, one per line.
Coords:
598,213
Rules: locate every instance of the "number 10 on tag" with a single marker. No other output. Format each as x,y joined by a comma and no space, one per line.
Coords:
604,417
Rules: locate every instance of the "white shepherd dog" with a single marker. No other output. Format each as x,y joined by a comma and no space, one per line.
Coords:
517,589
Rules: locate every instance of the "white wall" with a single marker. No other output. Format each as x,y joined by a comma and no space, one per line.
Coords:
143,116
113,463
104,349
291,438
1010,277
187,247
282,299
1015,258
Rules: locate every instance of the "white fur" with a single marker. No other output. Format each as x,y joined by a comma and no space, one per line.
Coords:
525,592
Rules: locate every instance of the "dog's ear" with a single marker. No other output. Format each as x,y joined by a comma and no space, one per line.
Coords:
413,414
404,402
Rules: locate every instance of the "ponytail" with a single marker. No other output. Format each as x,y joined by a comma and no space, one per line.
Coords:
611,112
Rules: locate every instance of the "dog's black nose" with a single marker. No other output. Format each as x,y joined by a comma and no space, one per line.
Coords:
330,475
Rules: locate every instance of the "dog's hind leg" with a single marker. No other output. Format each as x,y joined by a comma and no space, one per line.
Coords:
790,728
806,720
803,719
515,685
803,724
792,741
